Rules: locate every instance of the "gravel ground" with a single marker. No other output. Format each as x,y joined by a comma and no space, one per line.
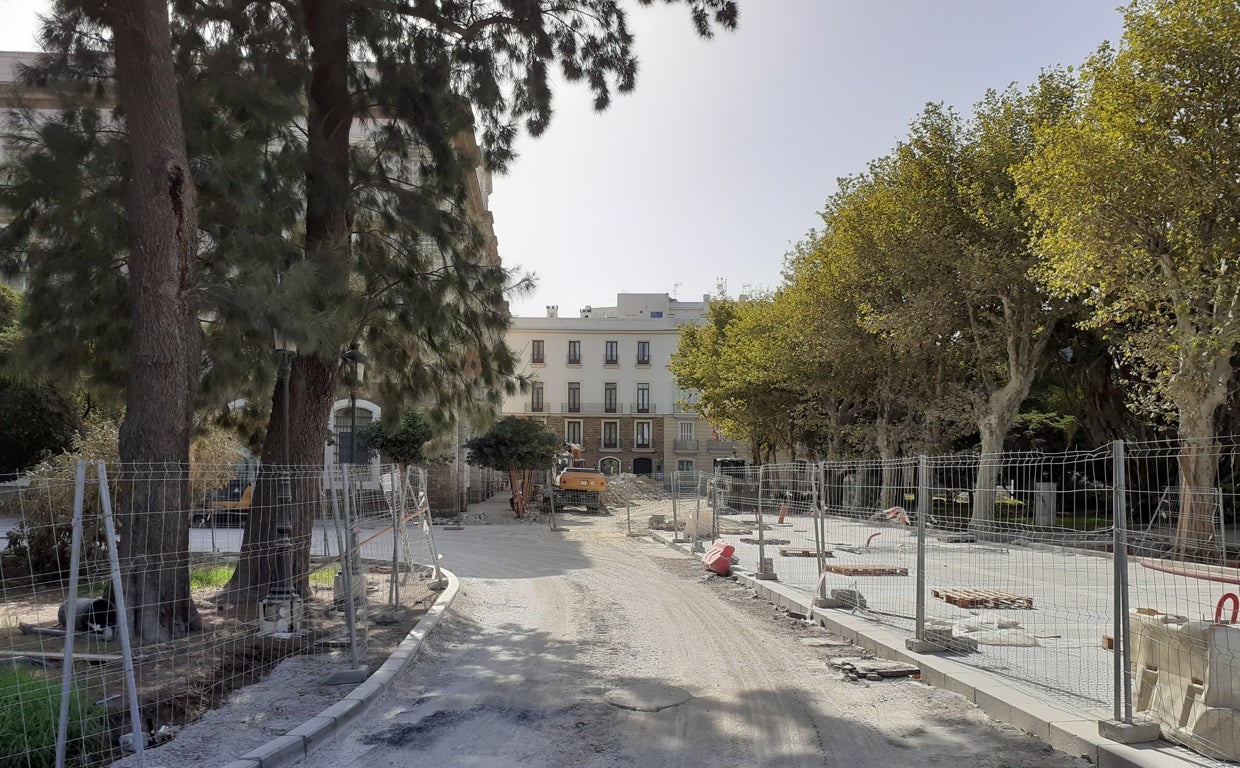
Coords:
558,635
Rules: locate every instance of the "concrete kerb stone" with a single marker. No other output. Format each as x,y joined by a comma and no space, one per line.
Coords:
998,697
292,747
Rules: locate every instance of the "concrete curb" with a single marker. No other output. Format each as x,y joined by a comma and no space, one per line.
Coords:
337,719
1008,701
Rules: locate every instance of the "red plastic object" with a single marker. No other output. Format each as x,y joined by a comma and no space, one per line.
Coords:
719,558
1234,599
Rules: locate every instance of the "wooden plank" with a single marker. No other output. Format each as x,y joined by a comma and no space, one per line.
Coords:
60,655
799,552
864,569
982,598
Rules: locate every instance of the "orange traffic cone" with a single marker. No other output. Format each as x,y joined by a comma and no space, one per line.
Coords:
783,510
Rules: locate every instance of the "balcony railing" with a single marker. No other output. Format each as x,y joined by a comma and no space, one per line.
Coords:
611,444
611,361
720,446
570,407
643,408
535,407
682,445
573,359
643,359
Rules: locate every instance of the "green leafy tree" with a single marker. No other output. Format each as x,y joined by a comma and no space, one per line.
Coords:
35,420
950,270
1138,186
405,443
516,446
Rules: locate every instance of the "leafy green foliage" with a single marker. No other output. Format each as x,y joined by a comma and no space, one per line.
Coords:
35,420
43,539
29,711
514,443
405,444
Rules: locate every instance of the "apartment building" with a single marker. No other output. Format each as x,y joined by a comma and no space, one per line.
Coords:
601,381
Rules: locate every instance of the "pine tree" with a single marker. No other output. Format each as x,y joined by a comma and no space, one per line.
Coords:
379,246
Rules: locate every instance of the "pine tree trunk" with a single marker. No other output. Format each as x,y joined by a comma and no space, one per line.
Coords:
312,386
164,362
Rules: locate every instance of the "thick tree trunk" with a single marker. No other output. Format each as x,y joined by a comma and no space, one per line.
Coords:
518,492
312,386
1195,534
164,360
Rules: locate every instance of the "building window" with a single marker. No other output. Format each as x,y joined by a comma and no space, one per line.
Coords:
609,465
537,353
684,465
536,397
643,399
643,353
641,435
611,353
346,422
572,432
574,353
574,397
611,434
609,398
685,430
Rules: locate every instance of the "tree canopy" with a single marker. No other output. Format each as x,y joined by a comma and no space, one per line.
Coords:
514,443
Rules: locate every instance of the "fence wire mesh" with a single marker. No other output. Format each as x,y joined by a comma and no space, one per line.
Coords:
224,573
1107,578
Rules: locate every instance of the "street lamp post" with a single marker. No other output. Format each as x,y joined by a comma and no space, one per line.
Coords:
357,360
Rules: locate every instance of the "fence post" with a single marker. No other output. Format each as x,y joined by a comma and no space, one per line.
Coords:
820,532
122,615
675,519
1122,652
923,512
70,609
762,571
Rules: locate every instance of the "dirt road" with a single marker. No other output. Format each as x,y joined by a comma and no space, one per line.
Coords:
560,641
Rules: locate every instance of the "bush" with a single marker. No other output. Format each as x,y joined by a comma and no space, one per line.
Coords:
29,713
43,539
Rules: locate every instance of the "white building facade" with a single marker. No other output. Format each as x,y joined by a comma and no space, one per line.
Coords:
601,380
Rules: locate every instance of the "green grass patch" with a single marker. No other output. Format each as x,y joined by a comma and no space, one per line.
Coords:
210,576
29,712
325,576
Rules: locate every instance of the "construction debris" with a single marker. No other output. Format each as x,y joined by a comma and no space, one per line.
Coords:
864,569
982,598
768,542
873,669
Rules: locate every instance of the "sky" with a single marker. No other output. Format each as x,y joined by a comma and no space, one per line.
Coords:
720,160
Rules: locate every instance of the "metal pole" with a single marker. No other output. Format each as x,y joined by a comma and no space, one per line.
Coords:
122,615
1117,625
761,537
675,519
347,556
923,511
75,560
1122,652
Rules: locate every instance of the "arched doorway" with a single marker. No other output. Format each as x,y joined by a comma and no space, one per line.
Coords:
643,466
609,465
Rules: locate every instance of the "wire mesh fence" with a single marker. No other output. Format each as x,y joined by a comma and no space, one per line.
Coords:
1108,578
133,602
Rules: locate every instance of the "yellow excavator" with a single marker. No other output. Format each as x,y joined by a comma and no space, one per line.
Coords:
573,484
